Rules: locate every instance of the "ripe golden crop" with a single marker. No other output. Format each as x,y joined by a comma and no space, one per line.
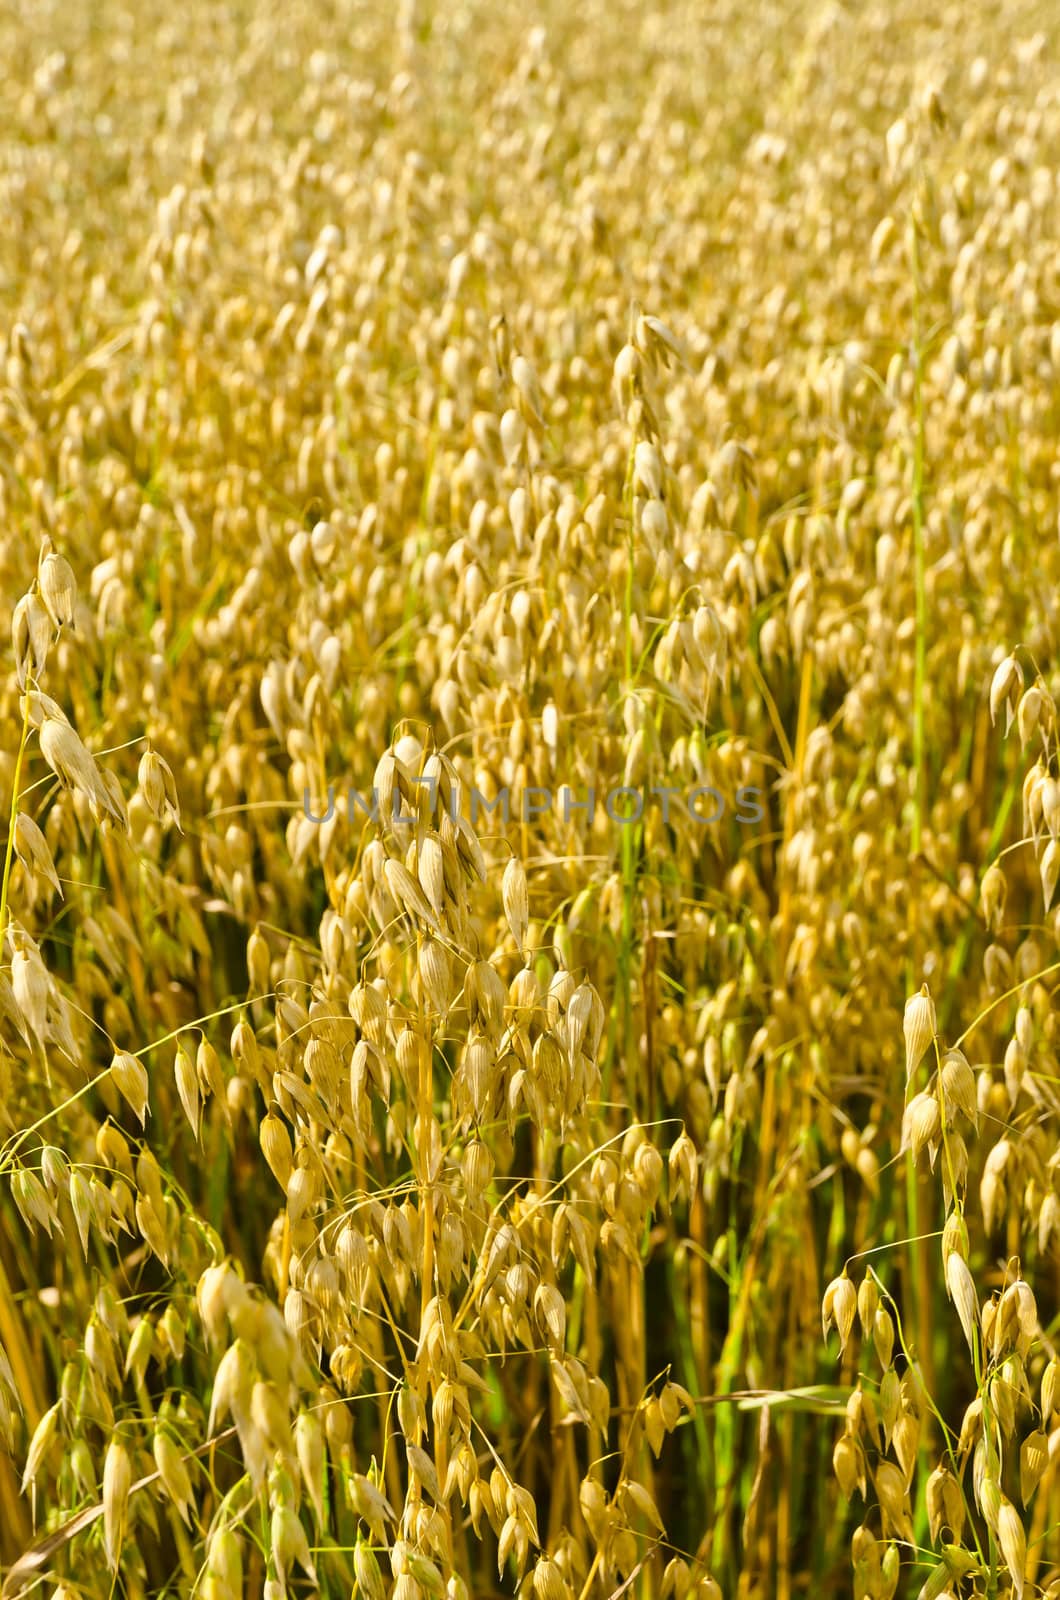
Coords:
610,454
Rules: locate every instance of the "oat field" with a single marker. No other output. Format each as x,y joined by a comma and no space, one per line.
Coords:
530,793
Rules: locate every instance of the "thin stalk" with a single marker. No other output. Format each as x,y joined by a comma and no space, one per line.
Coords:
13,819
919,1272
628,831
920,661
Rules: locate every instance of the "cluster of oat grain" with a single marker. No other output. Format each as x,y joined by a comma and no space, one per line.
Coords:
452,402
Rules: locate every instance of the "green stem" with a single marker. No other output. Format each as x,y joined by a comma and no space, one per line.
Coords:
913,1210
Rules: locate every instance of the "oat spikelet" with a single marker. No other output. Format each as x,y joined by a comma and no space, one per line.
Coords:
44,1435
31,633
839,1307
431,870
32,850
173,1473
117,1481
407,893
1013,1541
1034,1458
31,987
129,1076
158,787
960,1286
516,901
58,587
290,1546
919,1028
1005,688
